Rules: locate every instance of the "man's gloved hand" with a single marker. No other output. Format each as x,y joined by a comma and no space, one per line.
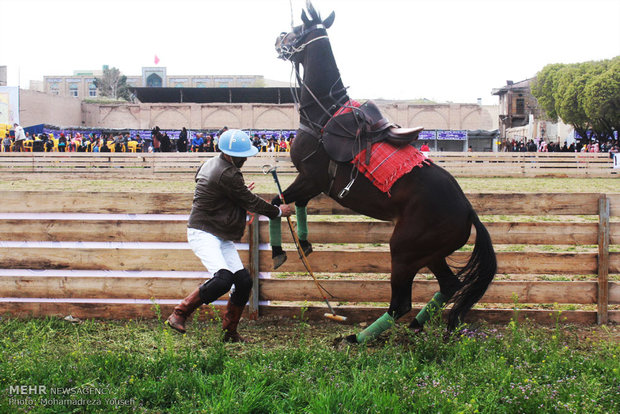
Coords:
276,201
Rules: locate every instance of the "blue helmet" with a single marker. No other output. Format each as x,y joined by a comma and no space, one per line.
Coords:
236,143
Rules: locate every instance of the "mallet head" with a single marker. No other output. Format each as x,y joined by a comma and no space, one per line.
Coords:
334,317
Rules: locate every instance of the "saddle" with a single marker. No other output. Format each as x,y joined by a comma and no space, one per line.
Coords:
358,128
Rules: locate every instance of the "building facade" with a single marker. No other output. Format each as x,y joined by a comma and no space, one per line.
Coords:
274,116
81,83
3,75
63,101
520,116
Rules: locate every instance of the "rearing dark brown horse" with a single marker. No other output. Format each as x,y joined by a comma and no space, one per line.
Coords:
431,215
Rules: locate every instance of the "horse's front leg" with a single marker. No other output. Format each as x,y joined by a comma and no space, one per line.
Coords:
400,304
300,192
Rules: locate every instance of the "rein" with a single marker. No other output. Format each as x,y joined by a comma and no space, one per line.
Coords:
286,52
316,128
307,125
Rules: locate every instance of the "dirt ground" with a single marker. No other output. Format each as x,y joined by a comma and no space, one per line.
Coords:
276,331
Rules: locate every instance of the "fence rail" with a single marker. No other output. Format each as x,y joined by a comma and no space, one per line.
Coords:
480,164
108,255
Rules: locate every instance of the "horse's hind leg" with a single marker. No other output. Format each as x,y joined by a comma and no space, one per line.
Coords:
449,284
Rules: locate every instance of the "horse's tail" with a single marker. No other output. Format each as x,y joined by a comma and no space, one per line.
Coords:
476,276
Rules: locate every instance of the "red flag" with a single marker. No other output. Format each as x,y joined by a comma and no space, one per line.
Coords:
156,60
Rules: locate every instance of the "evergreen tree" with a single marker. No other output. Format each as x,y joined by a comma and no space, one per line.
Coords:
113,84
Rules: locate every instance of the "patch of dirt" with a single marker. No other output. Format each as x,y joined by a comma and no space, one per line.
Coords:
279,331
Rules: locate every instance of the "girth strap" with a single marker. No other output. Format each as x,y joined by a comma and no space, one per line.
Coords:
332,169
309,130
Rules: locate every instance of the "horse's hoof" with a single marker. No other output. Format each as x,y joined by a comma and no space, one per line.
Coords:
306,246
416,327
279,260
343,342
351,339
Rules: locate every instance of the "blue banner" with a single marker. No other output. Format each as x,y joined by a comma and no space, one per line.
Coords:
427,135
453,135
579,137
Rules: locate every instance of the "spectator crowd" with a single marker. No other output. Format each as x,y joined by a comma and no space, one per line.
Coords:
159,141
594,146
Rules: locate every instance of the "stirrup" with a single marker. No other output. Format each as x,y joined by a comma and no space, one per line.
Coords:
345,190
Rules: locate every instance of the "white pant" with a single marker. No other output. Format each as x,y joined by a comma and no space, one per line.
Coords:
214,252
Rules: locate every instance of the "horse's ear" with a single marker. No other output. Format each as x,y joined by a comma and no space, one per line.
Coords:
330,20
304,18
313,13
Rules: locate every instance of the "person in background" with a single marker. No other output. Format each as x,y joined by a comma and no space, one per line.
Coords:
197,143
256,141
104,144
62,142
6,143
165,144
140,142
216,138
264,143
20,137
209,144
126,139
217,219
118,143
48,143
182,141
156,135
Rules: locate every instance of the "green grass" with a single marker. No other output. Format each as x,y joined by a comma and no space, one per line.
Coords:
292,367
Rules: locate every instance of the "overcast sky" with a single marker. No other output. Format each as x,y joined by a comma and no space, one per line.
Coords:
443,50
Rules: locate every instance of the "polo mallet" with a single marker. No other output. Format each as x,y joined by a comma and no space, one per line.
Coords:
269,169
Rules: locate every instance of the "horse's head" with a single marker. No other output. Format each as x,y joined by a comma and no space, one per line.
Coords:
291,45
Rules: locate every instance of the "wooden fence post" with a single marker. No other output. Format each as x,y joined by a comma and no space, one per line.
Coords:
602,316
254,266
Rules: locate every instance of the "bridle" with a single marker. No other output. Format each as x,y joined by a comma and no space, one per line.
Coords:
286,52
339,98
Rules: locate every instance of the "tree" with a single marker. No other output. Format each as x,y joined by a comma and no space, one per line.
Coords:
602,98
584,95
571,81
113,84
543,89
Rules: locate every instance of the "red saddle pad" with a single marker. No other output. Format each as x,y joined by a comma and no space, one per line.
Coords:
388,163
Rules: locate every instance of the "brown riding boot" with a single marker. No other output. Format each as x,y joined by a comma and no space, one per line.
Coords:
183,310
230,322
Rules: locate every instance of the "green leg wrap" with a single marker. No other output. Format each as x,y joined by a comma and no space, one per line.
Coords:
431,308
275,232
382,324
302,222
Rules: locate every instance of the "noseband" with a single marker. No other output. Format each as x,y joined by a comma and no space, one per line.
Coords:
286,52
